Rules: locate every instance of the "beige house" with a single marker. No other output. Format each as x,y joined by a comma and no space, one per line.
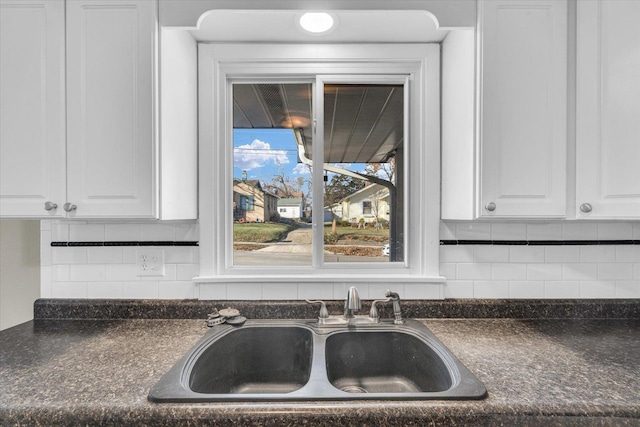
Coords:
370,203
251,203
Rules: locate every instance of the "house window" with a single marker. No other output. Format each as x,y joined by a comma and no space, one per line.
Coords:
247,203
366,207
370,110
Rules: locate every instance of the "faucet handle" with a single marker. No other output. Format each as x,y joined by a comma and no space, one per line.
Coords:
324,313
373,313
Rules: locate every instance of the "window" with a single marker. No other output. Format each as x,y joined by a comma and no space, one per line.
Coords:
366,207
247,203
335,92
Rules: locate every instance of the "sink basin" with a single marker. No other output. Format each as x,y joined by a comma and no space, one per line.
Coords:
254,360
385,362
299,360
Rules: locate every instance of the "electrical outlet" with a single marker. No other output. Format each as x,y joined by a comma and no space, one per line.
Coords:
150,262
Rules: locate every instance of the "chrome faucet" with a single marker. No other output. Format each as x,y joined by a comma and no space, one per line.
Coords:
352,303
397,311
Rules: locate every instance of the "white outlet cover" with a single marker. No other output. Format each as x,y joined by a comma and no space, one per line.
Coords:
150,262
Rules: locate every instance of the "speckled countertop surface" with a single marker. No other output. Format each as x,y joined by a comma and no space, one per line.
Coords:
537,372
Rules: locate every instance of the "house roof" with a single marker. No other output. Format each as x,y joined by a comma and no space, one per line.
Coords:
370,189
291,201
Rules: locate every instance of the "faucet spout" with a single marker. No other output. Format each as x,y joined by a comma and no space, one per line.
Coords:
352,303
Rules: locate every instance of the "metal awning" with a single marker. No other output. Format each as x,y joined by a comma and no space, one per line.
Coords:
363,123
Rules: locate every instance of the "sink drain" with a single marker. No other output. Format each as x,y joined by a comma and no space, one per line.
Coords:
353,389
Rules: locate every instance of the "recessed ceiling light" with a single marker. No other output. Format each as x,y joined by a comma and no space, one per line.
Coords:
316,22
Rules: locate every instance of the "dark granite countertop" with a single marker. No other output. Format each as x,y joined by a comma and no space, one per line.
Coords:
537,372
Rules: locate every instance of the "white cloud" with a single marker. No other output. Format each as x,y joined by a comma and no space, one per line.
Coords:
257,154
301,169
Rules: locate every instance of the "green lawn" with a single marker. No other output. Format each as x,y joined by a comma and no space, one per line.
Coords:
258,232
361,234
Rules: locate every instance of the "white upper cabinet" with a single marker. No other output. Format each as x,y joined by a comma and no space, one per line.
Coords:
111,149
523,108
608,109
32,108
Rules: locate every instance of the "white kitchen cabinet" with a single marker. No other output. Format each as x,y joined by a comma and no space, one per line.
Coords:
608,109
523,108
80,112
32,108
111,121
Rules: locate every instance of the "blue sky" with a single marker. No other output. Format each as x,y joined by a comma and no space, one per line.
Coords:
263,152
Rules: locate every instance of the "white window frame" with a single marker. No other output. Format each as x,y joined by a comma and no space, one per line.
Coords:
415,65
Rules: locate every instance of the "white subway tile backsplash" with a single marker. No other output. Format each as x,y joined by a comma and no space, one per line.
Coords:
474,271
456,253
448,270
108,290
561,289
580,231
244,291
189,232
104,255
579,271
615,231
490,289
81,232
60,273
615,271
597,289
598,253
211,291
560,254
628,289
176,290
140,290
547,231
178,255
69,290
458,289
447,231
490,253
544,272
508,271
87,273
157,232
122,232
422,291
68,255
508,231
526,289
627,253
473,231
280,291
186,271
522,253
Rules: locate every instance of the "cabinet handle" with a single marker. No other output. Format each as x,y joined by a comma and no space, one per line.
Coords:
586,207
49,206
490,206
68,207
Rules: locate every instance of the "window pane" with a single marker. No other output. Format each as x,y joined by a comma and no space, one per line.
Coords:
271,183
363,147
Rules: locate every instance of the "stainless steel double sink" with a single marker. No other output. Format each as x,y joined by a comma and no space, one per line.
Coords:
299,360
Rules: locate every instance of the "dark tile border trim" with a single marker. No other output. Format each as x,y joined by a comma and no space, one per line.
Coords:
540,242
128,243
419,309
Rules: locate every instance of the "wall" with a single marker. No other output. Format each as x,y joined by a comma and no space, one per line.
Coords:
19,271
581,268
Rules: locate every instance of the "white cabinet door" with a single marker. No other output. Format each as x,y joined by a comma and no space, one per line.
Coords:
608,109
523,108
32,108
111,57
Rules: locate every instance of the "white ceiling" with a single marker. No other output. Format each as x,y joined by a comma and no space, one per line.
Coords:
271,26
